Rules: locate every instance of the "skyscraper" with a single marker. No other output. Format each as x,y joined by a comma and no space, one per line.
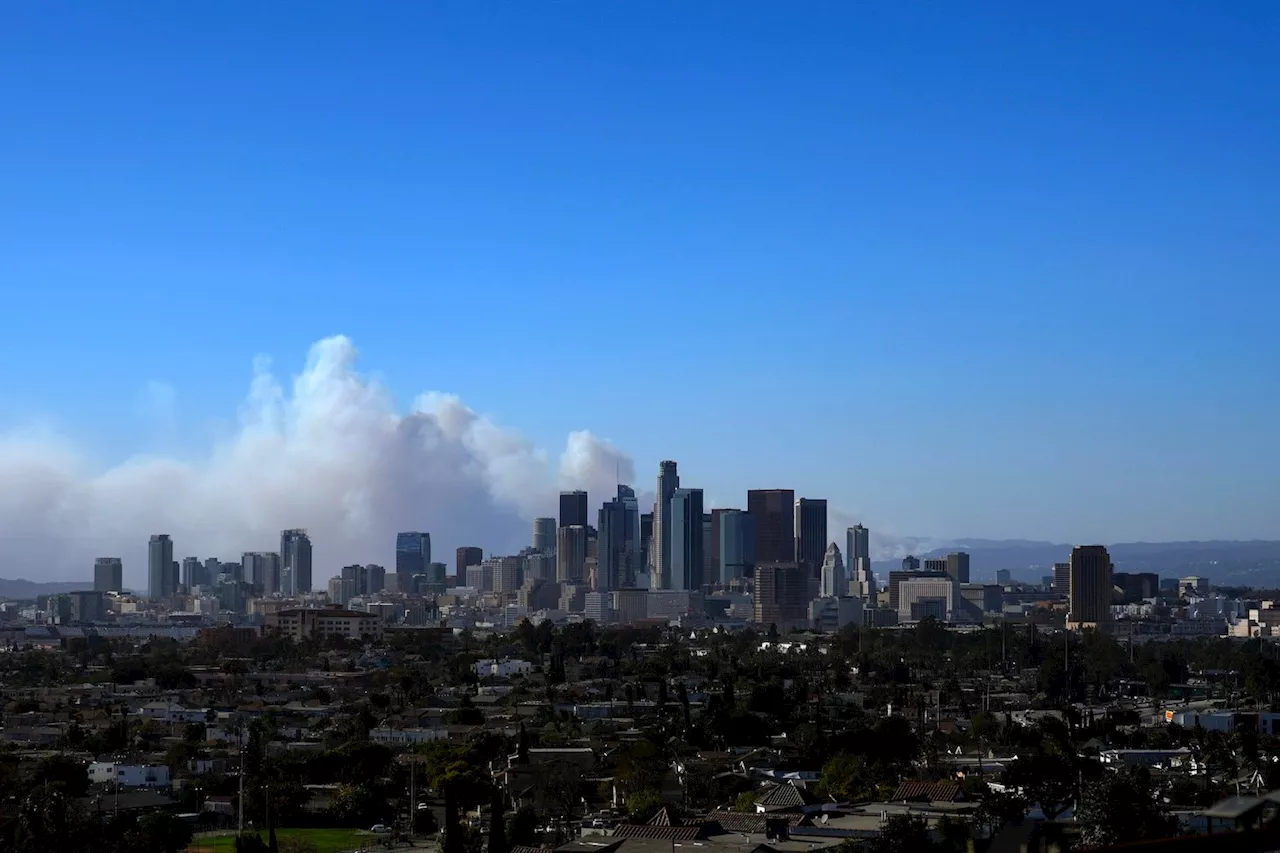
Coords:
737,545
262,569
781,595
811,534
295,561
685,516
573,509
108,574
618,541
958,566
544,535
646,543
858,550
1062,579
571,553
668,482
159,566
833,582
710,562
413,552
468,555
1091,582
192,570
773,514
910,563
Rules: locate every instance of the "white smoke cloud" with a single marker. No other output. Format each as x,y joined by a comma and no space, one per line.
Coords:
332,454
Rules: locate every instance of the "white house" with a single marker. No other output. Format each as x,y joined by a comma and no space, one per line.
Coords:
502,669
129,775
407,736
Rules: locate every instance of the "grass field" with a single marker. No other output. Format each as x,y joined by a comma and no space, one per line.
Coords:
324,840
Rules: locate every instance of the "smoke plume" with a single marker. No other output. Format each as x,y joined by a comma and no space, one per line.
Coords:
331,454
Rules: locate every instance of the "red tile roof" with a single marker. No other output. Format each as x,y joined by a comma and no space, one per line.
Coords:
944,791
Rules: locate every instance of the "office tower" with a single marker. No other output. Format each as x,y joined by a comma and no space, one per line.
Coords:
1135,587
505,573
468,555
710,562
355,581
377,578
668,482
646,543
811,534
618,541
108,574
737,545
571,553
714,575
833,582
539,566
262,569
544,534
684,515
175,575
862,582
1004,577
922,597
213,567
896,579
1091,582
295,561
958,566
935,564
781,594
192,569
413,553
438,573
1062,579
159,563
573,509
910,564
773,514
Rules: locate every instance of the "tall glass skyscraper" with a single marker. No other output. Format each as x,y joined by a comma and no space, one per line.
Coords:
413,553
737,545
668,482
295,561
618,542
160,567
685,515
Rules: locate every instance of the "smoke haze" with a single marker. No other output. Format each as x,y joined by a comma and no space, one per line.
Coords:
331,454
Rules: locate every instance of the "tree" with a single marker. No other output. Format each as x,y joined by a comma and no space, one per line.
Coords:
1046,779
847,778
643,805
903,833
746,802
1120,808
72,775
522,827
497,828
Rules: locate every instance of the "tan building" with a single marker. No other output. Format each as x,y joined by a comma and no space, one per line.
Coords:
782,596
301,624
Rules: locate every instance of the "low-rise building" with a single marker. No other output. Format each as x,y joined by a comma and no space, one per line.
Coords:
129,775
301,624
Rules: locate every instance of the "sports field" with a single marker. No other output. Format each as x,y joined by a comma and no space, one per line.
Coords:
321,840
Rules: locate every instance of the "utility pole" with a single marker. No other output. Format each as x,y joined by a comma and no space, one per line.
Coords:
413,795
240,799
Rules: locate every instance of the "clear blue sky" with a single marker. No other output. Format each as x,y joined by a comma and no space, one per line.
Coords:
999,269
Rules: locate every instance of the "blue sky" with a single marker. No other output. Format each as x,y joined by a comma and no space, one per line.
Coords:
981,269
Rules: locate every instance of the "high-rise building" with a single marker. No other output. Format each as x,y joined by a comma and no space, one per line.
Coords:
413,553
897,578
811,534
295,561
262,569
618,541
573,508
958,566
1135,587
505,573
833,583
685,516
1004,577
468,555
782,595
710,562
1091,581
571,554
862,581
737,545
1062,579
646,543
773,515
192,570
108,574
544,535
159,566
377,578
714,575
910,563
668,482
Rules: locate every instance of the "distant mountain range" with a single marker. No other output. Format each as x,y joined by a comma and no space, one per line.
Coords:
23,589
1224,563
